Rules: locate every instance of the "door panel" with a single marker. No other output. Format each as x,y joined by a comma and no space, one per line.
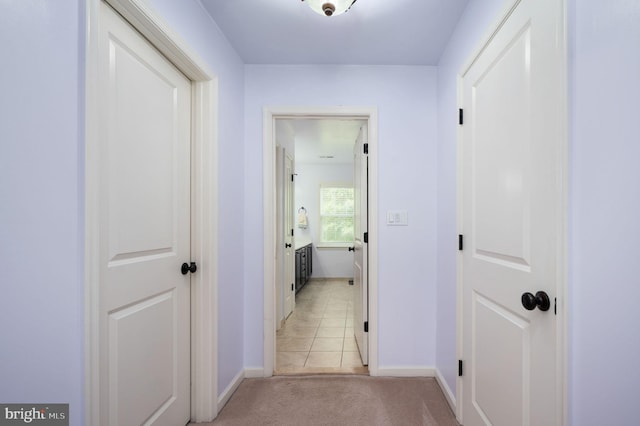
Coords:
135,230
360,255
132,367
501,175
144,231
511,153
501,362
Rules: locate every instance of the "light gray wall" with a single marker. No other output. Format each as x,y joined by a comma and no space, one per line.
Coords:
41,193
327,262
406,100
604,210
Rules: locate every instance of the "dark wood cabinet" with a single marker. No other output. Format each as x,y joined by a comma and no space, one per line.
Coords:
304,265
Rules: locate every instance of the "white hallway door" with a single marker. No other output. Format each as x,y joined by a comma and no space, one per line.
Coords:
360,256
144,231
289,252
512,153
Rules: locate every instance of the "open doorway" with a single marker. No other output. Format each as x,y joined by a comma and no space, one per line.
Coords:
326,296
317,303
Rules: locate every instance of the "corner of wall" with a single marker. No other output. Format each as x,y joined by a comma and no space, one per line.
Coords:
446,390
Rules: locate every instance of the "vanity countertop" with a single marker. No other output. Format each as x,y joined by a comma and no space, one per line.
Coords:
301,242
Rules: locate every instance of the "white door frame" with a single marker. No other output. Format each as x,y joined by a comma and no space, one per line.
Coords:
204,197
270,114
562,269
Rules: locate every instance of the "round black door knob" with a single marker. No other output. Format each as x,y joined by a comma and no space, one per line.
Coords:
540,300
528,300
352,249
287,245
186,268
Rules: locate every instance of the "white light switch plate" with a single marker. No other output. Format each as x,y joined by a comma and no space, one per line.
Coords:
397,218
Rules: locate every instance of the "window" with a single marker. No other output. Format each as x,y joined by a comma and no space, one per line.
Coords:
336,213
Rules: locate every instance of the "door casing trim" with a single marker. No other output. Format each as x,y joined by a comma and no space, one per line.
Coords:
204,199
562,198
270,114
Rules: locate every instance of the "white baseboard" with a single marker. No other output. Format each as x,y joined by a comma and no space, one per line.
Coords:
247,373
226,394
421,372
251,373
406,372
446,390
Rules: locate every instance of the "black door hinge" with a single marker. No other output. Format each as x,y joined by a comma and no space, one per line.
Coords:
366,326
366,237
291,286
459,368
292,232
366,148
460,242
460,116
291,178
555,306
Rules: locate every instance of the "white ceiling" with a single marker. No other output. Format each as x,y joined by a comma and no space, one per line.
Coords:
320,138
373,32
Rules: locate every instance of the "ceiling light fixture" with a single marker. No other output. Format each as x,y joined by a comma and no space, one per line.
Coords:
330,7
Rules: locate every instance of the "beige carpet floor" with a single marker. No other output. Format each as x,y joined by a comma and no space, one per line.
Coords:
337,400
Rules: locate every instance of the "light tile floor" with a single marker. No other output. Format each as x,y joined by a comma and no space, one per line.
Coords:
318,336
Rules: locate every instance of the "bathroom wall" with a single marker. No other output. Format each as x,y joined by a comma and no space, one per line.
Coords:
327,262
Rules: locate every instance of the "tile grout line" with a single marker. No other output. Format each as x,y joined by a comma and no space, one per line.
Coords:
332,301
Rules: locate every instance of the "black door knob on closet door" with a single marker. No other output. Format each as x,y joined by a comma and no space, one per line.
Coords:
540,300
186,268
287,245
352,249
